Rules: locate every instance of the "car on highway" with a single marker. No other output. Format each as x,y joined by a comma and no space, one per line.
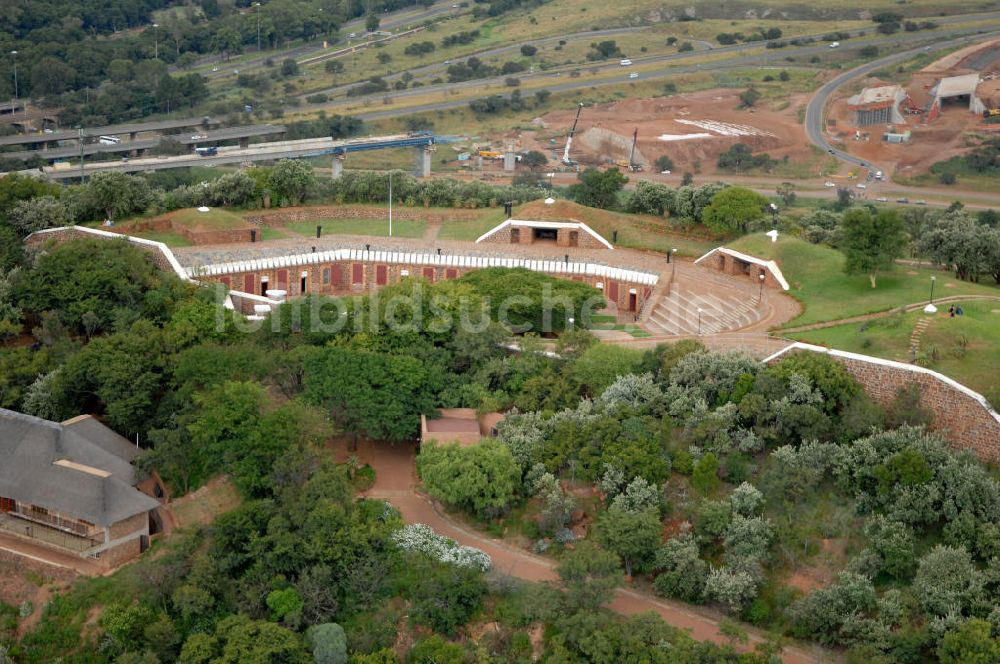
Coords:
904,199
920,202
834,44
198,137
861,185
882,199
830,150
634,75
625,63
215,69
664,172
829,184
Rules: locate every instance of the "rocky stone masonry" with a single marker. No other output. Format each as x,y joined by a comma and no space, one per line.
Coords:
966,421
38,241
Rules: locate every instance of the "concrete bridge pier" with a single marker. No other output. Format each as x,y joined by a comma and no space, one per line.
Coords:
509,156
244,142
422,168
337,165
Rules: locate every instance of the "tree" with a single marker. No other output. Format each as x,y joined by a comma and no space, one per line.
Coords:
118,194
527,50
228,42
893,542
292,179
377,394
870,243
749,97
705,477
947,581
39,213
664,163
786,192
822,614
483,477
289,68
446,596
534,159
969,644
634,536
372,22
734,209
650,198
682,572
328,643
589,576
246,641
733,587
602,364
598,189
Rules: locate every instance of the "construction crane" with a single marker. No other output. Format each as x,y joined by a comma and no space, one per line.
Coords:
631,164
569,141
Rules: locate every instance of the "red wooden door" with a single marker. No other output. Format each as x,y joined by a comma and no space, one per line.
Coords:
359,274
283,279
335,276
248,283
429,274
451,273
224,281
381,275
613,291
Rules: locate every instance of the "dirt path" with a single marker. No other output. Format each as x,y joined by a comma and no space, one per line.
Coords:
396,482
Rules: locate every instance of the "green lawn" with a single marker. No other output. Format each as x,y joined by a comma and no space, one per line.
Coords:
816,276
373,227
966,348
268,233
470,230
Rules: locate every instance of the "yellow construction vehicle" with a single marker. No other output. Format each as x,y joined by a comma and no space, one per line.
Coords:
490,154
991,113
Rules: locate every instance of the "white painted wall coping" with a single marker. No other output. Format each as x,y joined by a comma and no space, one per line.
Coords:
162,248
770,266
439,260
575,225
798,345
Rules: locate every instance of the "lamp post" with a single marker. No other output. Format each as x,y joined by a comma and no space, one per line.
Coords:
79,134
390,203
156,41
760,295
699,321
14,55
257,5
930,308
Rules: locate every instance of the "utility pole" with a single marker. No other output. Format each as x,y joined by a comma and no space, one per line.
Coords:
390,203
80,137
156,41
257,5
14,110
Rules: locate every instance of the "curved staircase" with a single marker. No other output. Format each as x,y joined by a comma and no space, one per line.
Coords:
727,304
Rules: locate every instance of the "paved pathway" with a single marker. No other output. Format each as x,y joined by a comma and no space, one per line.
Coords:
882,314
47,556
396,482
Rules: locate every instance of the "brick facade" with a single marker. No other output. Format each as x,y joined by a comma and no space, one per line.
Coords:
281,217
567,234
342,278
961,416
736,264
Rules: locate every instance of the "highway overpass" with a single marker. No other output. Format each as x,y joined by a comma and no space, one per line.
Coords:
137,147
422,143
131,130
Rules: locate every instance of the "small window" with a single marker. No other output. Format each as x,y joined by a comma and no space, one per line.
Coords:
326,276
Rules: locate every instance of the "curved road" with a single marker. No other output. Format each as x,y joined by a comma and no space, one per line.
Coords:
736,60
814,110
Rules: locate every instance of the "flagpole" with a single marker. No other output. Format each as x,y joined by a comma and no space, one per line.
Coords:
390,203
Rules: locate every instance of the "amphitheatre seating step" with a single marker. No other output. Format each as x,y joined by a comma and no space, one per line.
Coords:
677,313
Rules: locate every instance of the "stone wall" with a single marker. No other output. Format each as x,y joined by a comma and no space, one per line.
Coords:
565,237
120,553
282,217
961,416
130,525
38,241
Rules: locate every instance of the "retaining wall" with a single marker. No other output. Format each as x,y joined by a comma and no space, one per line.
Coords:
961,415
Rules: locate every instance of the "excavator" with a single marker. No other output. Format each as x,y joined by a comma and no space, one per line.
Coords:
631,165
569,141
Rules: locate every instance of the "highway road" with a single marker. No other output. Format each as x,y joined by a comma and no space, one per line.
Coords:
390,22
814,111
110,130
821,47
561,82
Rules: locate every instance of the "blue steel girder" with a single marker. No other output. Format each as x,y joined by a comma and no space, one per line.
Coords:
409,142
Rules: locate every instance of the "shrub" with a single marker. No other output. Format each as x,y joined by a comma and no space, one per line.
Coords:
422,538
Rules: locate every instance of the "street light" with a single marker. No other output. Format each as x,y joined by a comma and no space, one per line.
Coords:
257,5
930,308
760,295
156,41
79,133
14,54
699,321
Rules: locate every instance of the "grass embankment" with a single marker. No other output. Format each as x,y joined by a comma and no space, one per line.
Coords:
373,227
817,279
169,238
966,348
214,219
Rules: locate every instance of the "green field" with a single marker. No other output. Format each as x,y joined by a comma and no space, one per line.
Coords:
372,227
966,348
816,276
